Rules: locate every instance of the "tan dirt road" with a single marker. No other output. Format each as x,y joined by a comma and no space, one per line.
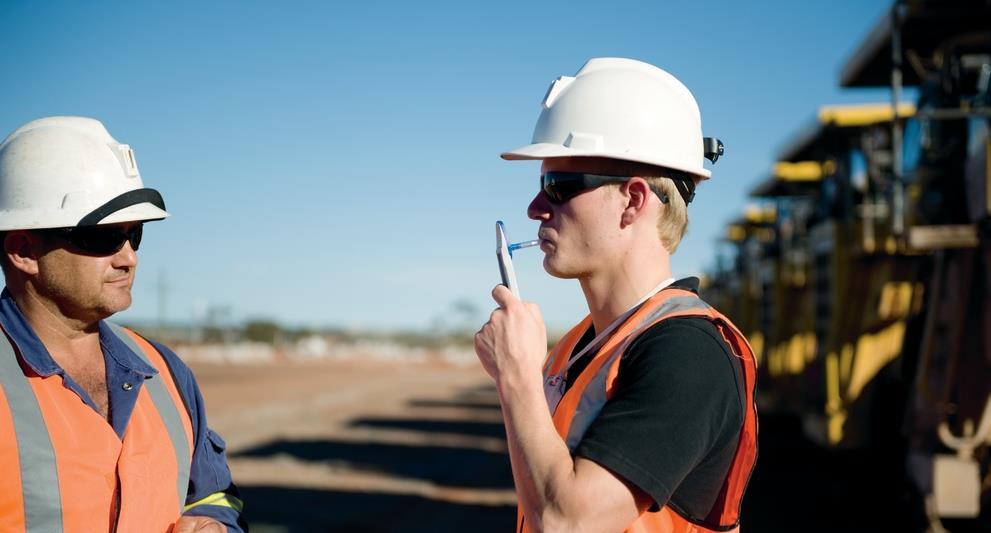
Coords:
363,447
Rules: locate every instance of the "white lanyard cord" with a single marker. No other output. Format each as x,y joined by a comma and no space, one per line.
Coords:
601,337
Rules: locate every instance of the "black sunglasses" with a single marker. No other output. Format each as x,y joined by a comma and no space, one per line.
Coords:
100,240
563,186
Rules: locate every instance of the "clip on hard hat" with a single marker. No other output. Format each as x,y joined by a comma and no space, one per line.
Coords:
712,148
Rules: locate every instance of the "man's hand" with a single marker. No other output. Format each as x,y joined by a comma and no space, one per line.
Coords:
557,492
198,524
513,343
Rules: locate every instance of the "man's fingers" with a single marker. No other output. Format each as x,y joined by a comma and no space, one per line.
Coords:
481,338
503,296
534,310
198,524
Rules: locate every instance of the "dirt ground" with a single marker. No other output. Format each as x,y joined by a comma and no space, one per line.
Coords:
368,447
363,447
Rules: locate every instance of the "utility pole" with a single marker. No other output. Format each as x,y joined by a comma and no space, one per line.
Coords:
163,290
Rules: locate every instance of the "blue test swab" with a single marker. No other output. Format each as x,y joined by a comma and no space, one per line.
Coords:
525,244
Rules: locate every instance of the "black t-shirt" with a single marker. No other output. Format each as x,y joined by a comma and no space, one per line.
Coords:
673,424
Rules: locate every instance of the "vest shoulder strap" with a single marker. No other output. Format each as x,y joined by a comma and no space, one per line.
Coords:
36,454
164,402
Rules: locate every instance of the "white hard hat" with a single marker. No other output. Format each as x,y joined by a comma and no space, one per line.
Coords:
68,171
622,109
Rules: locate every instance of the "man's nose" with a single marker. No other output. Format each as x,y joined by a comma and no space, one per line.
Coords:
539,208
126,256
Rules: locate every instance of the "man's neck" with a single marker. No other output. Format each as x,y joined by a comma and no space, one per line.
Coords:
72,343
611,293
64,337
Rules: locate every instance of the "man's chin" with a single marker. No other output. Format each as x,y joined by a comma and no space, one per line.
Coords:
557,271
115,304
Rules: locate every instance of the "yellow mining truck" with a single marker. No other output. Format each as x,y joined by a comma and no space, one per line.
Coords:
839,287
940,197
870,298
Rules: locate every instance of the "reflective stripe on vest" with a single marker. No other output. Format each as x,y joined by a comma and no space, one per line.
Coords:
169,413
584,400
42,505
45,507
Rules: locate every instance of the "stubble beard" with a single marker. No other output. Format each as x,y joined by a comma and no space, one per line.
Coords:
99,304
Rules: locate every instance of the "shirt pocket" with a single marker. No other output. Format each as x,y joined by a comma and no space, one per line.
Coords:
216,441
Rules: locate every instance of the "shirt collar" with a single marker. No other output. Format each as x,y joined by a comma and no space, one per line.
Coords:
690,283
36,356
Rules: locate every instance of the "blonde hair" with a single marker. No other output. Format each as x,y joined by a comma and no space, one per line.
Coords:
673,222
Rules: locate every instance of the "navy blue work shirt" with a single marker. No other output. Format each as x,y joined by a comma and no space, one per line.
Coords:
126,372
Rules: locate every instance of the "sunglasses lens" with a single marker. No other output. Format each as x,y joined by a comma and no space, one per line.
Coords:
134,236
100,240
562,186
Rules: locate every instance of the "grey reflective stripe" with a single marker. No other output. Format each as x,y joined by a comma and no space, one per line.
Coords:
170,415
676,304
36,456
591,402
594,395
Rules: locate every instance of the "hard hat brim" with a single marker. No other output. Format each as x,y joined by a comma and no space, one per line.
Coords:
141,212
33,219
540,151
132,205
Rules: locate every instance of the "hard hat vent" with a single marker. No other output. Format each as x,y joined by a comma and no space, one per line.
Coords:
584,141
555,90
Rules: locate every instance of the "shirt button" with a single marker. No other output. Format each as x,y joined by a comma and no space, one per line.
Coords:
127,386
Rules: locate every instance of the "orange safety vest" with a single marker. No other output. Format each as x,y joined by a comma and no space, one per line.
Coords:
597,383
64,469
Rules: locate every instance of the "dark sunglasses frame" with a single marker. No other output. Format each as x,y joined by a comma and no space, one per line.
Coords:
560,187
99,240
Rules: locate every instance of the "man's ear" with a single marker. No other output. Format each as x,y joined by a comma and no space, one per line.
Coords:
637,193
22,250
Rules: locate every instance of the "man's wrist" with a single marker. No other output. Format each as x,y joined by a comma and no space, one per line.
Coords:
513,386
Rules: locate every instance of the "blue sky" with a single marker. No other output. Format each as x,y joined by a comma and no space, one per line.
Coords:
336,163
